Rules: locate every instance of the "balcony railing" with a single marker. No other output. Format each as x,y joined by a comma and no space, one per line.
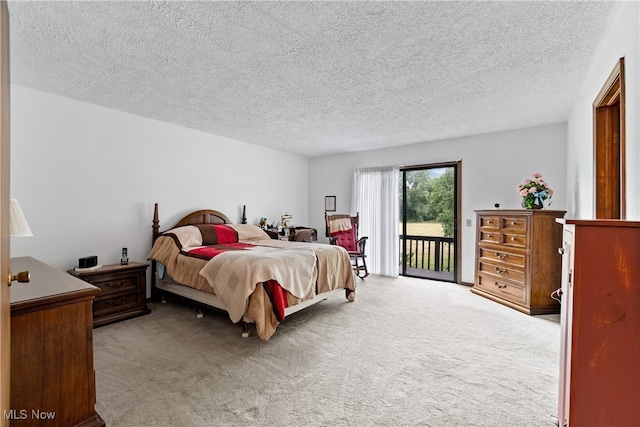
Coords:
433,253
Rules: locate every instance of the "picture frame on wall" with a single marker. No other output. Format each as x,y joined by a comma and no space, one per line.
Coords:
330,203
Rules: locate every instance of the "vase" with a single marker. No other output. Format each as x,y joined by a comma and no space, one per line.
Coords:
537,204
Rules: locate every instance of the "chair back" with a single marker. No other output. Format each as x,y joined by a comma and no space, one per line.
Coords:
338,229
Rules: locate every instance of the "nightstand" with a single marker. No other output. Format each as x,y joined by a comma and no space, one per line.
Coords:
123,291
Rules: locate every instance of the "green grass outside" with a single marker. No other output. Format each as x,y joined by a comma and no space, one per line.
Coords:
423,229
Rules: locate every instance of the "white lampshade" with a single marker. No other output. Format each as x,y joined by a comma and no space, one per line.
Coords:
18,223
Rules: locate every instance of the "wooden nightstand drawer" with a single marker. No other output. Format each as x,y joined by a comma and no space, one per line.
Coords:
116,303
123,291
115,285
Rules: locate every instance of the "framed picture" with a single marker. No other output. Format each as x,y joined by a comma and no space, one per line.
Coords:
330,203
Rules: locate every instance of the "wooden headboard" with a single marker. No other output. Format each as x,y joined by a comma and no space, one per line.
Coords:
204,216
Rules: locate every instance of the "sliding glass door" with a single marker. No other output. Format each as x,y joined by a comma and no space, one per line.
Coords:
429,221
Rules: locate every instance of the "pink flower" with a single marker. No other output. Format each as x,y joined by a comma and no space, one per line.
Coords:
523,192
527,181
537,175
533,190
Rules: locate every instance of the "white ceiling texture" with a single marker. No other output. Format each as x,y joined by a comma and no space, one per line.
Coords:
314,78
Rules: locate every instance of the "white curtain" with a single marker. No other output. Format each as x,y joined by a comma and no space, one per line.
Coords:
375,198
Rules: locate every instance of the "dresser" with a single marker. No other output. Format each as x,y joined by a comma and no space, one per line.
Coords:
517,259
600,324
52,375
123,291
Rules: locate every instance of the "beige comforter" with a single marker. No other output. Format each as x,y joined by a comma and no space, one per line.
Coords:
330,269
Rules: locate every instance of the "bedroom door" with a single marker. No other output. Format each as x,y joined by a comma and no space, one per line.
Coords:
429,201
5,310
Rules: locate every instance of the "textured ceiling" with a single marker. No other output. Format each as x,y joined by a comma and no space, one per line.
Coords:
314,78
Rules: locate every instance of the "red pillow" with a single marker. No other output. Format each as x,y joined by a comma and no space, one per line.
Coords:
346,239
217,234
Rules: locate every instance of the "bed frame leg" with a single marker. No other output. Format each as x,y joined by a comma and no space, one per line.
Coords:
351,295
162,300
200,314
245,330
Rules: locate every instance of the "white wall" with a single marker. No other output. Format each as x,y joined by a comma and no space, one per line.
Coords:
621,40
492,166
87,178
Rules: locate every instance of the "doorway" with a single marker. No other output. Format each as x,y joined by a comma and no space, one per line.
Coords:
609,146
429,221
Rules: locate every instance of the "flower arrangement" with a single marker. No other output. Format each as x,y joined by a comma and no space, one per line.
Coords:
534,192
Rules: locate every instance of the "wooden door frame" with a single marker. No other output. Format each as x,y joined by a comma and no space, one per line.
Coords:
5,296
457,200
609,147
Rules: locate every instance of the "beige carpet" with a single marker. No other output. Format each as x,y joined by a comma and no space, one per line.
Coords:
406,352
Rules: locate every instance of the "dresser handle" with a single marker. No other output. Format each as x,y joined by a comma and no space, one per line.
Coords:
500,286
561,251
513,239
501,270
117,301
513,223
501,256
116,284
489,222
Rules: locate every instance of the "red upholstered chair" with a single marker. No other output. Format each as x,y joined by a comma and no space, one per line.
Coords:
348,239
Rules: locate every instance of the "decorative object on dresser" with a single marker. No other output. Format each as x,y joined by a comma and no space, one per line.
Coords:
534,192
123,291
52,372
600,318
517,260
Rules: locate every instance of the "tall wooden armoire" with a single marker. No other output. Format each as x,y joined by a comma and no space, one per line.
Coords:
600,324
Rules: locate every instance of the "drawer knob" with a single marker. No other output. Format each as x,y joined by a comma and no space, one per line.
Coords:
501,256
513,223
513,239
561,251
501,270
489,222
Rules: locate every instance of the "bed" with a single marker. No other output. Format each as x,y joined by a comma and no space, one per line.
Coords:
238,268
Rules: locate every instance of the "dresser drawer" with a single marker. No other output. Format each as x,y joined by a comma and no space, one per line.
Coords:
489,236
489,222
116,284
513,239
514,224
503,255
502,288
116,303
502,271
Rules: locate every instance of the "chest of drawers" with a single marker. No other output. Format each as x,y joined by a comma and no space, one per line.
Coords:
517,259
